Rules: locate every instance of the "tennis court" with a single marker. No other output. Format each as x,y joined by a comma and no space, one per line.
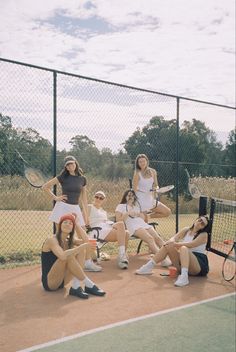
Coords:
206,325
30,316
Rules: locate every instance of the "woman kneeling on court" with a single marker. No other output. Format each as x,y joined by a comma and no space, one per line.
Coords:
62,260
187,252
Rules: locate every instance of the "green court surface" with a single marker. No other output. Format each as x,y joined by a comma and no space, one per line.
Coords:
204,326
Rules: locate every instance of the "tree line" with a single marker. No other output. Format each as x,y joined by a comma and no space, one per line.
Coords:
199,151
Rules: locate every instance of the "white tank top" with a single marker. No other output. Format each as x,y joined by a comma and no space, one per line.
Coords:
97,216
145,184
189,238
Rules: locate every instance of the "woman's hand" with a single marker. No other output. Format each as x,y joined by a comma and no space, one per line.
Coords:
169,244
61,198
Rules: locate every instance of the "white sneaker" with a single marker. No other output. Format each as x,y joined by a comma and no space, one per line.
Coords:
166,262
123,262
91,266
182,280
144,270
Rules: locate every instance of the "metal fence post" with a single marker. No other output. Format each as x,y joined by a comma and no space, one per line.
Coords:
54,134
177,166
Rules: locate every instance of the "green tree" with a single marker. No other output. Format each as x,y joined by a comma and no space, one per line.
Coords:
230,154
85,150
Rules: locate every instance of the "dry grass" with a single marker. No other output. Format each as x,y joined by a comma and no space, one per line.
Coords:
218,187
24,210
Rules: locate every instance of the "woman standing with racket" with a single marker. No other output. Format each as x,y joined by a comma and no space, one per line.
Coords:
73,184
144,181
186,250
129,211
62,259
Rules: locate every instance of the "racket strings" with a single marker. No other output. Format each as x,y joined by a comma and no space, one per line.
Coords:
34,177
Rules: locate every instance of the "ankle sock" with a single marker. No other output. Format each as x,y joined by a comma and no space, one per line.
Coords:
88,261
184,271
121,251
88,283
75,283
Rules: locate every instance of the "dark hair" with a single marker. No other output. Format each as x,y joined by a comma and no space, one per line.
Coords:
139,156
69,238
78,170
124,200
204,229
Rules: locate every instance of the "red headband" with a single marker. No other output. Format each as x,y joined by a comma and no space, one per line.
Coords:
67,217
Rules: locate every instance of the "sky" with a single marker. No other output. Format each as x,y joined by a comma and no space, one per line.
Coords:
184,47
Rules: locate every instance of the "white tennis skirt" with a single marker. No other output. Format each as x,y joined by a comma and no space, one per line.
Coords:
105,229
62,208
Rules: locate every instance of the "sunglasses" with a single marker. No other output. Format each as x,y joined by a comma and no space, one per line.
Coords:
97,197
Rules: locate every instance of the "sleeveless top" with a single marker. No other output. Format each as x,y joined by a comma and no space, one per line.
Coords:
97,216
198,249
145,197
145,184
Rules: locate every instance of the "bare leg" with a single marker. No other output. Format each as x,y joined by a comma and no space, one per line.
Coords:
117,233
159,241
188,260
144,235
59,269
160,211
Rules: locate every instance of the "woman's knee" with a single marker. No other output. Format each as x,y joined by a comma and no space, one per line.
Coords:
184,249
120,225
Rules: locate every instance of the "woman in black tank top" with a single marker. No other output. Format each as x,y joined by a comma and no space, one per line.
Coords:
62,260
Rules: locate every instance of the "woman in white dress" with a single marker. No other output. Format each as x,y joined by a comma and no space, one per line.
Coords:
144,180
129,211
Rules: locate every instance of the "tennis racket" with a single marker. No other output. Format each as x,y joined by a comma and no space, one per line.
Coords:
133,209
34,176
192,187
229,264
158,191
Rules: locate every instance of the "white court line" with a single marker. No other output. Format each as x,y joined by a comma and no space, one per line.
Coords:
124,322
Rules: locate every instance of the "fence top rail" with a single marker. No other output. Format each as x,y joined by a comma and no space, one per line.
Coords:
116,84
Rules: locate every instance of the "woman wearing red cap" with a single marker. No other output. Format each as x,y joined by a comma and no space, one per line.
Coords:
62,260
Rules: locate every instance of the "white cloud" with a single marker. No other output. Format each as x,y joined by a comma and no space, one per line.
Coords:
183,48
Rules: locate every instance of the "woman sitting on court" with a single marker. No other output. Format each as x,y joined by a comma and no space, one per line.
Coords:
144,180
186,250
130,213
110,232
62,260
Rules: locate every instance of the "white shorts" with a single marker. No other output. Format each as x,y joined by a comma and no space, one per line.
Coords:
105,229
146,200
62,208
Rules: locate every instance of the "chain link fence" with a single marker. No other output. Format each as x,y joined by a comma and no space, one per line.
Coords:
47,114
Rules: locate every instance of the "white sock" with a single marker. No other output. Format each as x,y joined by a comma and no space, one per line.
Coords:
75,283
88,283
88,261
184,271
121,251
